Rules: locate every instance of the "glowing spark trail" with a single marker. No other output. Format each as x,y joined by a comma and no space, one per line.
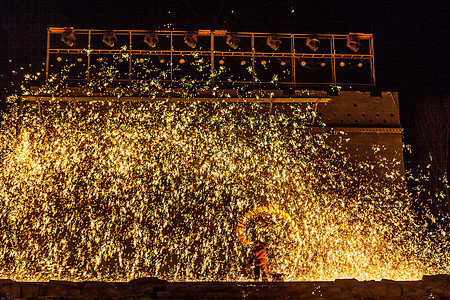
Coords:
115,191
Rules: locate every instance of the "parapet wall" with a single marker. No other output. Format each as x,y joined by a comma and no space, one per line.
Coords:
360,109
430,287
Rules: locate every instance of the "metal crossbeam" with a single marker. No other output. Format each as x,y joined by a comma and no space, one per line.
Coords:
181,99
297,58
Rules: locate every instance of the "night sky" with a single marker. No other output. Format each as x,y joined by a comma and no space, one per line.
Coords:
411,38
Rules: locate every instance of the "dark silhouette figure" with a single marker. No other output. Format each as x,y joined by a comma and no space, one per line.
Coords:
259,258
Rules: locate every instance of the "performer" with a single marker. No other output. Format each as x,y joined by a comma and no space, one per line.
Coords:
259,258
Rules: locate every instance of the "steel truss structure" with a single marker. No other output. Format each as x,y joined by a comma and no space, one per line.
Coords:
333,64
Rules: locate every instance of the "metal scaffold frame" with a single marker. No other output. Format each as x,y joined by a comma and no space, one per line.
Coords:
292,55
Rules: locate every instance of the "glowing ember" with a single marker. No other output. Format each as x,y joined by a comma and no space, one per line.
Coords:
118,191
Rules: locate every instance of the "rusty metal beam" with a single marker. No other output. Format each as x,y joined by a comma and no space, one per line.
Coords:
40,99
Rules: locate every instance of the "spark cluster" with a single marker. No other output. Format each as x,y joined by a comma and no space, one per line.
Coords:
121,190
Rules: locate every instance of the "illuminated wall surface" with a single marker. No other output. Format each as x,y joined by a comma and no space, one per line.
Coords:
119,190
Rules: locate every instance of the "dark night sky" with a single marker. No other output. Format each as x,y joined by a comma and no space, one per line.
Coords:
411,37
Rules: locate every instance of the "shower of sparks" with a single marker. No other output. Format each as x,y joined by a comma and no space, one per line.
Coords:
119,190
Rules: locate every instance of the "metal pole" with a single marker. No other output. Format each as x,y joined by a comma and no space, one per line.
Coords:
40,109
372,61
294,78
88,57
129,60
315,111
171,57
74,106
333,62
212,60
19,116
253,61
47,60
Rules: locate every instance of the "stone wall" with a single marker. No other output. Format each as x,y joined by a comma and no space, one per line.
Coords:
359,109
430,287
367,122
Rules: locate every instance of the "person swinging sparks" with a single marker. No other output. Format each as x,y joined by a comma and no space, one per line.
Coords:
259,257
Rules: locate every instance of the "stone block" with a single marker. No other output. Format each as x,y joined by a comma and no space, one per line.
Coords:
125,288
436,283
138,297
30,289
149,286
232,295
81,297
154,288
384,289
196,294
105,290
330,291
165,295
345,296
60,289
361,290
9,289
414,293
195,291
346,284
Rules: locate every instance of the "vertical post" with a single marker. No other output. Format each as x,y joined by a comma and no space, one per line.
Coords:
88,57
129,59
212,60
294,78
253,61
372,61
47,60
171,57
74,106
315,111
40,108
333,62
19,116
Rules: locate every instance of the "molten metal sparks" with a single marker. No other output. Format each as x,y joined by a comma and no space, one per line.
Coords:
115,192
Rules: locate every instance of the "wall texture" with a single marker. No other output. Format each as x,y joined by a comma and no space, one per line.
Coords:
430,287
